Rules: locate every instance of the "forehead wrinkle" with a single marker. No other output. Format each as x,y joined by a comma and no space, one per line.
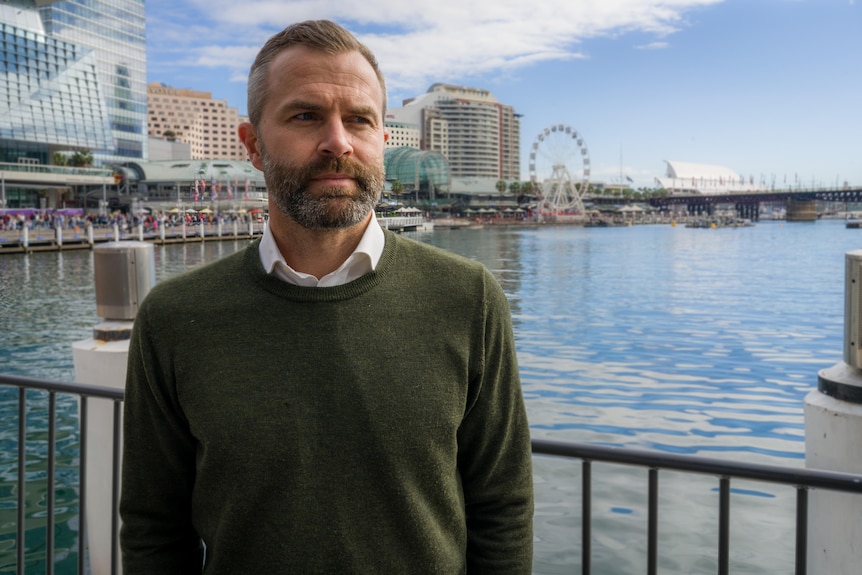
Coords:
359,80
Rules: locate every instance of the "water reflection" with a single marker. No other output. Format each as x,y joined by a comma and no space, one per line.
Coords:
681,340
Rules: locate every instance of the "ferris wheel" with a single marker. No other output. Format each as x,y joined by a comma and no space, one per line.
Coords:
557,153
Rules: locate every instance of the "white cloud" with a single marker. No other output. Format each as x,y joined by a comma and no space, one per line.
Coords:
417,44
653,46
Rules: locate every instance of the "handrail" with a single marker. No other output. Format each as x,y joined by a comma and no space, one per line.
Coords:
796,476
802,479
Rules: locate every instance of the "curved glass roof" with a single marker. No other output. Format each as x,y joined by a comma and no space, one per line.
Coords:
418,168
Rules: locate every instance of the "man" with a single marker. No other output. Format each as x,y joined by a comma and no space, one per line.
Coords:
335,398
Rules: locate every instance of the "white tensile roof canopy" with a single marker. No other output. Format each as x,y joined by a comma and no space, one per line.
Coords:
690,177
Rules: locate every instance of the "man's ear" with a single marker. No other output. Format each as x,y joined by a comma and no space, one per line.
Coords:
248,136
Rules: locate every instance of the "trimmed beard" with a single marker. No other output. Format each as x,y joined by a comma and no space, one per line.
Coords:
330,208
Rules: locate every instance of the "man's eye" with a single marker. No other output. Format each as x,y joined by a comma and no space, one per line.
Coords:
305,116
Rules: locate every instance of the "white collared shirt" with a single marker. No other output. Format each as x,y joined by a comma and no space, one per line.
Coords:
363,260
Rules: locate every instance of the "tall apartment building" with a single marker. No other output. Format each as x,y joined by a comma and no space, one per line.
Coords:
208,126
478,136
72,76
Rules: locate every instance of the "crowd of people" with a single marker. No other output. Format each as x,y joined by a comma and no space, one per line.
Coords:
54,219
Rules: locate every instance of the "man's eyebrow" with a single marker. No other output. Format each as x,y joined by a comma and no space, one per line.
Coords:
302,105
369,111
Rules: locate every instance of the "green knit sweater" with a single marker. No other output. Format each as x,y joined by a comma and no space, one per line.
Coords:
374,427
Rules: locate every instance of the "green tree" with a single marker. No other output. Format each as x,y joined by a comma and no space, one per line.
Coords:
60,159
397,188
501,186
515,187
170,135
81,159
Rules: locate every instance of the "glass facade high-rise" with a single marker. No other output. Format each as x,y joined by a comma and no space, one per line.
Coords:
72,77
116,32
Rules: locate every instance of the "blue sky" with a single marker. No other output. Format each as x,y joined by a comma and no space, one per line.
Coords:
769,88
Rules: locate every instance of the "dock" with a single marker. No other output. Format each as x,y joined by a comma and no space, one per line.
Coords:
30,240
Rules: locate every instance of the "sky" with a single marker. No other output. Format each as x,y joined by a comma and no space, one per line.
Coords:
771,89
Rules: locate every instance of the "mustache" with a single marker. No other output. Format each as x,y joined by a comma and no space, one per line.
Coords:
342,166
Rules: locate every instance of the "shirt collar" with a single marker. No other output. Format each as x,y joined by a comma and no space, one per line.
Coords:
363,260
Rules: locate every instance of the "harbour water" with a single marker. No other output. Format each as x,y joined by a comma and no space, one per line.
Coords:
695,341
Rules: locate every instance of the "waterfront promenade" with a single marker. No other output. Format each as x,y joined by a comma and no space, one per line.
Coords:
54,239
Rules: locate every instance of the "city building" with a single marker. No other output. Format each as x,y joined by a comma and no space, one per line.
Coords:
192,117
72,85
478,136
195,184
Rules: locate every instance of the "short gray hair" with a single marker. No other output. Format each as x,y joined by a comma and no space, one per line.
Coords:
322,35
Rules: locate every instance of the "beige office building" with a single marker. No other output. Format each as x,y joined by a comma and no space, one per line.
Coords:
208,126
478,136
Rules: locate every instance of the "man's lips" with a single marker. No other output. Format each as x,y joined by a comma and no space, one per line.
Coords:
333,180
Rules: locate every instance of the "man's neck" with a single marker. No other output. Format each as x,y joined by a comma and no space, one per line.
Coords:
314,252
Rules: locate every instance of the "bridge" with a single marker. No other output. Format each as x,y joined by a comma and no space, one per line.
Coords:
800,201
843,194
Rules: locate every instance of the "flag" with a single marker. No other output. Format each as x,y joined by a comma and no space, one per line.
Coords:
629,179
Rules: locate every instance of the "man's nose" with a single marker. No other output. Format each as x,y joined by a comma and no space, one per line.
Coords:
335,140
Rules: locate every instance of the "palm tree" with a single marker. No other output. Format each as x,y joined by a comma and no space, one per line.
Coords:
397,188
81,159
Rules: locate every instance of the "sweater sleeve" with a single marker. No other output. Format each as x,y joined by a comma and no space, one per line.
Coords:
158,472
494,452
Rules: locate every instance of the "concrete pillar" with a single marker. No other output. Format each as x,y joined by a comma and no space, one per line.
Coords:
833,428
125,272
801,210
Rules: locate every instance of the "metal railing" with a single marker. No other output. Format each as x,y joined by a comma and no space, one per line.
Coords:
800,478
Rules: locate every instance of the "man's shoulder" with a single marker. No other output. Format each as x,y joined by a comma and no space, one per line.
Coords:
194,284
426,254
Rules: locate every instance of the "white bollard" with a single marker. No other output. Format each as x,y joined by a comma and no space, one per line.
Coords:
59,235
125,272
201,229
833,426
90,239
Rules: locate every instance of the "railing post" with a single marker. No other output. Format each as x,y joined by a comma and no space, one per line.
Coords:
586,516
801,530
22,478
652,523
724,526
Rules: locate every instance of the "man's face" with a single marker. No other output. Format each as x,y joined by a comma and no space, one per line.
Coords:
320,139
